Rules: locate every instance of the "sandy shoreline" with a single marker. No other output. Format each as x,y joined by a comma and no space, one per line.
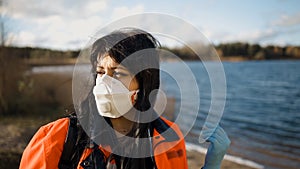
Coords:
196,161
196,155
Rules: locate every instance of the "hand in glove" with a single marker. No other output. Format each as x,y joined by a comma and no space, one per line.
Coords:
219,143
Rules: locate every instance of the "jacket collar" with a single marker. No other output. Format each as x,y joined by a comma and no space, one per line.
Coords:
162,129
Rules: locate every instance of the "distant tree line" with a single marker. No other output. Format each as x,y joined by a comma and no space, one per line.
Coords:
36,56
257,52
238,49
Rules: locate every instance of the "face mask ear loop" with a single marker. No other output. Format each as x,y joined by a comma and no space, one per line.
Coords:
138,116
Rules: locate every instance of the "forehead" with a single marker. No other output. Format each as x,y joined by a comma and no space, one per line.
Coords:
108,62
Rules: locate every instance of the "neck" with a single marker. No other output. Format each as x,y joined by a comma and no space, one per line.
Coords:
122,125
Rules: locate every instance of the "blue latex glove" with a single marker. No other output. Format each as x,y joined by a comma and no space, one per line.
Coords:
219,143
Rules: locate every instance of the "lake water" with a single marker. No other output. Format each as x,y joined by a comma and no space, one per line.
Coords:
262,110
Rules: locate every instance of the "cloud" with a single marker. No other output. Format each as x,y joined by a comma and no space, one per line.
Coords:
123,11
64,24
25,37
67,8
96,6
258,35
252,36
288,20
215,35
33,9
57,23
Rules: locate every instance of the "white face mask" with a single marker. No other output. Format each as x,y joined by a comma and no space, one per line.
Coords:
113,99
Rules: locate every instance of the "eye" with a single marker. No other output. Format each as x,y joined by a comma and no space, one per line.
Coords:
120,74
101,72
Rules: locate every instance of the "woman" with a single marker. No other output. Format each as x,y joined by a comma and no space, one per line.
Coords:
117,126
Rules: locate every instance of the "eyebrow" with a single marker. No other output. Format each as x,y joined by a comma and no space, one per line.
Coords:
118,67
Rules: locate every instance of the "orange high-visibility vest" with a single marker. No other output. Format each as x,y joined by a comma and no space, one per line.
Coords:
46,146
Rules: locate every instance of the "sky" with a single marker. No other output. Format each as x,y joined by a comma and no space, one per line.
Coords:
68,24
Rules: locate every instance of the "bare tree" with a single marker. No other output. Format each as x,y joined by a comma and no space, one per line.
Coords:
3,105
4,30
10,64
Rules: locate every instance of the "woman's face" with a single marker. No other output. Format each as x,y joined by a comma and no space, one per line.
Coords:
106,65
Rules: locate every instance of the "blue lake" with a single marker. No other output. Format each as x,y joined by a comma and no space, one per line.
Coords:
262,109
